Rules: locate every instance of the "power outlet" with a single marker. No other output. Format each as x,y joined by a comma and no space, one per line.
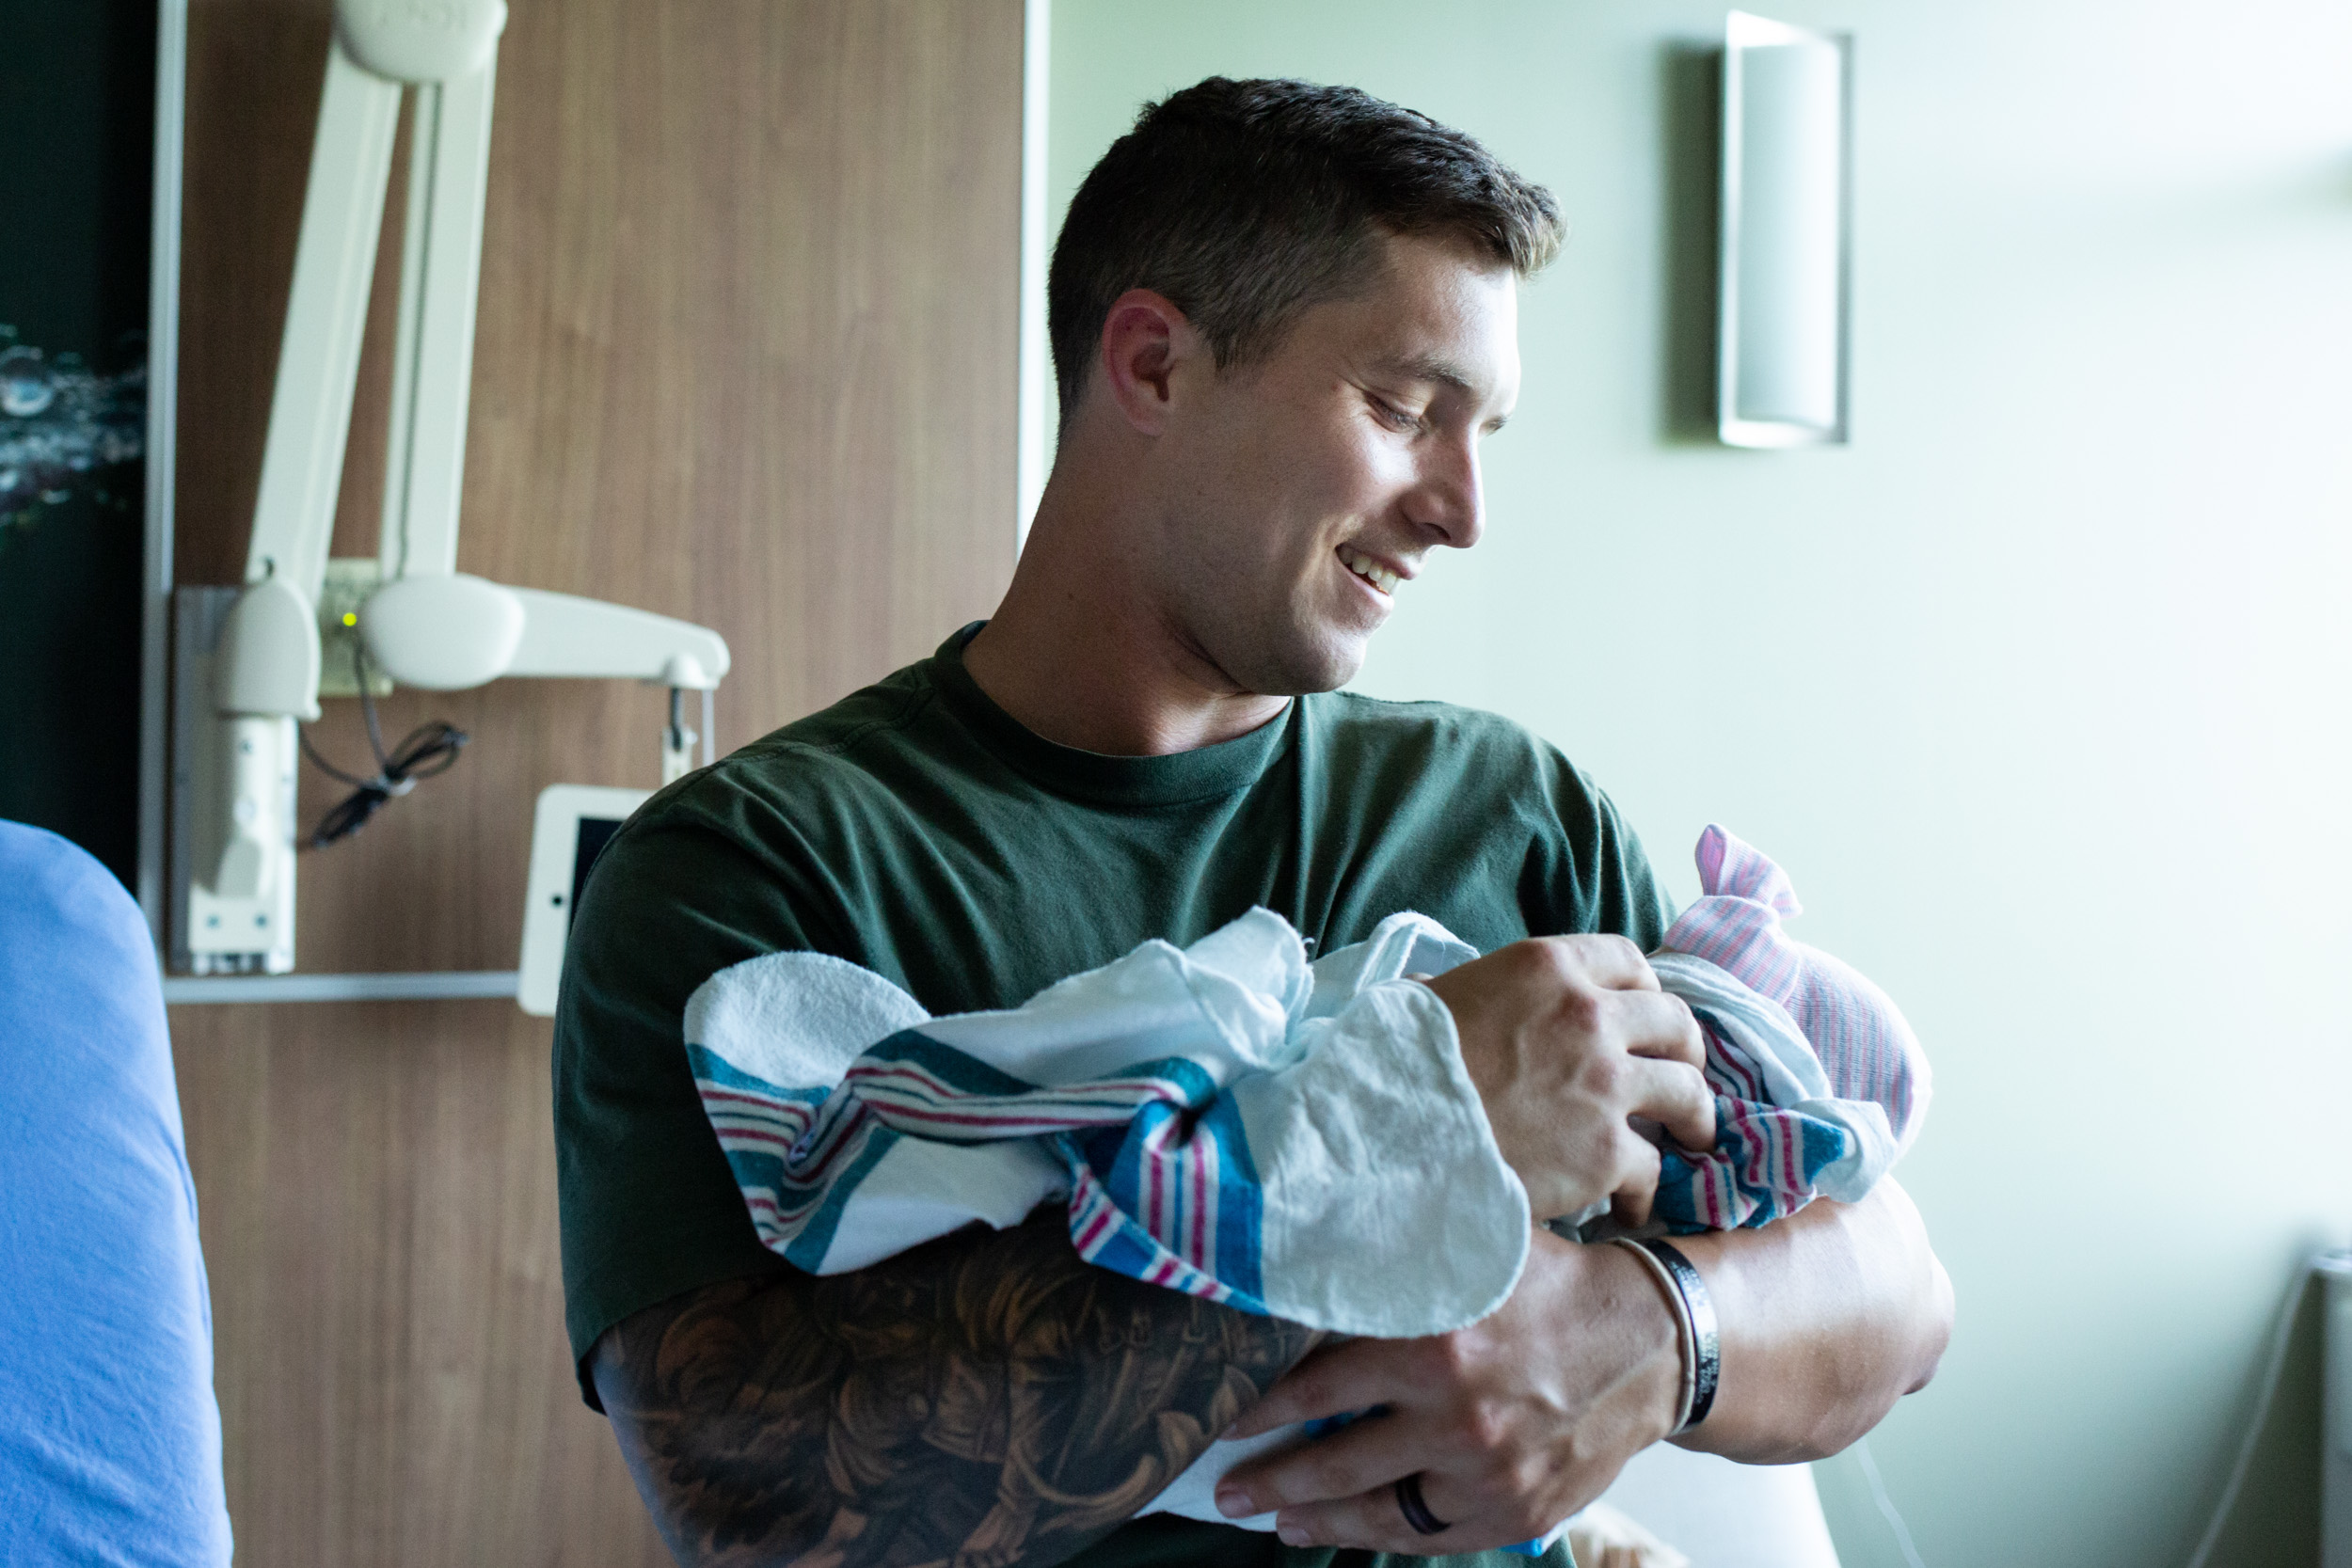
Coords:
349,582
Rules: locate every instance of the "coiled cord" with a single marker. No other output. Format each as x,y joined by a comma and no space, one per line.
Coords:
423,753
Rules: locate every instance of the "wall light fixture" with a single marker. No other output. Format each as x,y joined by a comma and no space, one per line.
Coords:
1788,182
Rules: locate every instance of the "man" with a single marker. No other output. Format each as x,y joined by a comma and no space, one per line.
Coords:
1283,320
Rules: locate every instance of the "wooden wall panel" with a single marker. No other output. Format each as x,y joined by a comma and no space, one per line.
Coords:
746,355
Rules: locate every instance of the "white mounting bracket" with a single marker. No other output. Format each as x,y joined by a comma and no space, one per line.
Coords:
427,625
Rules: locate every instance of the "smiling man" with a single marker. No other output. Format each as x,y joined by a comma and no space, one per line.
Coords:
1284,318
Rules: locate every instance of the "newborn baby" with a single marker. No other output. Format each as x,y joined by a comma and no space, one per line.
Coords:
1301,1141
1827,1120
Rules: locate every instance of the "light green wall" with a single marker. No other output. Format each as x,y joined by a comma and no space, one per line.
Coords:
2041,689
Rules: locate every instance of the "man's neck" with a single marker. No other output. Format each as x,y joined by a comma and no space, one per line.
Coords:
1079,655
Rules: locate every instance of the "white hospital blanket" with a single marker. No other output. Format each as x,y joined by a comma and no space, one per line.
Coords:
1224,1120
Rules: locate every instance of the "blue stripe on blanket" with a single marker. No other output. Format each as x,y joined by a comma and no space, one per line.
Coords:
759,1170
708,1066
951,1067
1240,1202
1744,1155
809,1247
1114,1242
1194,1159
1181,1198
1127,1250
1124,1175
1825,1144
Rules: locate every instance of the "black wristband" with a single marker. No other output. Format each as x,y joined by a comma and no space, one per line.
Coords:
1707,1355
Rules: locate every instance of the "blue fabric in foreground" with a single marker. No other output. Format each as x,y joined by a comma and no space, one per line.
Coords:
109,1433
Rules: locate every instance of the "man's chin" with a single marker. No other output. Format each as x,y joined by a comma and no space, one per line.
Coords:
1319,666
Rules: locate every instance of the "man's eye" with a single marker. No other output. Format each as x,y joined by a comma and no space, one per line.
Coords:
1393,416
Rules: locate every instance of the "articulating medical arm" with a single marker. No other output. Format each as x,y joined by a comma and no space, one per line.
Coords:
427,625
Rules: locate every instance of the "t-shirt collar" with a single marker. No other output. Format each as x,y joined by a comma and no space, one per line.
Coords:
1199,774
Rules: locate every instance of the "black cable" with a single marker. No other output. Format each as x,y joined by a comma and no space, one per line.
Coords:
425,752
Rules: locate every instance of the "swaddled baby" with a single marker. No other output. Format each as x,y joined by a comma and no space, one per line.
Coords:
1297,1140
1790,1125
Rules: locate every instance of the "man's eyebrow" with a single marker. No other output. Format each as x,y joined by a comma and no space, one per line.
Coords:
1427,367
1430,367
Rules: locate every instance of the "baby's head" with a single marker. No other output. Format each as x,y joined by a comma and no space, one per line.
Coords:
1856,1028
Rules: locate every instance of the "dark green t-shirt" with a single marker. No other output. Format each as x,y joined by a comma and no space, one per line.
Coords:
917,828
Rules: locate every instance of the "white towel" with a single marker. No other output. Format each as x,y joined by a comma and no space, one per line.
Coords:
1224,1120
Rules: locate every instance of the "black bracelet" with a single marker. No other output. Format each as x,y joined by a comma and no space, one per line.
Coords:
1706,1357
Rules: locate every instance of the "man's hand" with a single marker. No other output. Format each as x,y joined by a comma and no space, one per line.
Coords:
1513,1423
1569,1040
1828,1317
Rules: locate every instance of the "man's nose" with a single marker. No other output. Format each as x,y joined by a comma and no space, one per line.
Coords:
1451,499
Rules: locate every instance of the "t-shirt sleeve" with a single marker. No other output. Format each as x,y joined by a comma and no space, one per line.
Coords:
648,1206
1586,869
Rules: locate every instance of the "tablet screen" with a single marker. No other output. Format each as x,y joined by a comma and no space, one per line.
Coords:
594,833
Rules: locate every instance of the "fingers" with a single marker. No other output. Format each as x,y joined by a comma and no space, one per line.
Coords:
1362,1458
1674,1096
1636,1190
1610,962
1566,1040
1373,1519
1662,1028
1336,1380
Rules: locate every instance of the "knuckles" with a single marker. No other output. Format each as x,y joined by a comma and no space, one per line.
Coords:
1622,949
1539,966
1582,1009
1448,1358
1513,1499
1330,1476
1694,1039
1485,1428
1603,1077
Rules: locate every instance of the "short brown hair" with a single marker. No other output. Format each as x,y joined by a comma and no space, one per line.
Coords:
1244,202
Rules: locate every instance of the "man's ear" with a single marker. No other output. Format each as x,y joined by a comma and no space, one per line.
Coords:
1145,340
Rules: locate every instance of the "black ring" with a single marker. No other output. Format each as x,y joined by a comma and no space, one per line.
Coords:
1416,1512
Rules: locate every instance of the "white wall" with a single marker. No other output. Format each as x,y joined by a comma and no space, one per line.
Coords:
2041,689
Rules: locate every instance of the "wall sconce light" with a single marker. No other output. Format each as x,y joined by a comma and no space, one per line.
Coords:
1787,179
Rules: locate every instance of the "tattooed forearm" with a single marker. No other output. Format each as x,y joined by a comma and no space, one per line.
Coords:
983,1402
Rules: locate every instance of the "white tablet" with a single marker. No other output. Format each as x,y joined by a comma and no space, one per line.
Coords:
567,834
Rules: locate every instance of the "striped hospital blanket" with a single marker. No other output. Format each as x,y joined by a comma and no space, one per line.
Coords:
1224,1120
